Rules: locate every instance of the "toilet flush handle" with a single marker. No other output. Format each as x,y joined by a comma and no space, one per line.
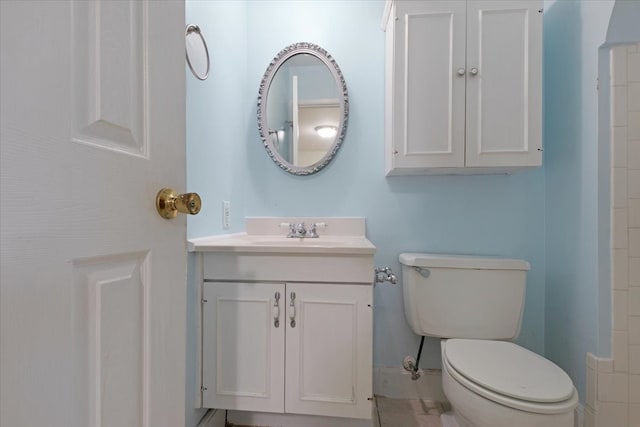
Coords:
424,272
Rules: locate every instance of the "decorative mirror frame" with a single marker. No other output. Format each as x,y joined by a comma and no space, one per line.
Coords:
332,66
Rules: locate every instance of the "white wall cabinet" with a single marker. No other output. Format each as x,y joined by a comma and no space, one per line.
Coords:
463,87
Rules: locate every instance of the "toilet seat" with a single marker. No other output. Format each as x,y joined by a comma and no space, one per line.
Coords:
509,375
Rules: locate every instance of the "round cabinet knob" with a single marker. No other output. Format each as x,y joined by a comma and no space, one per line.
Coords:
460,71
474,71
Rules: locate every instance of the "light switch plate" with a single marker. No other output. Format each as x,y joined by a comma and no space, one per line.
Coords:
226,214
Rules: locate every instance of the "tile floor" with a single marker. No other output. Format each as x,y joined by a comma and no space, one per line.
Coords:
408,412
403,413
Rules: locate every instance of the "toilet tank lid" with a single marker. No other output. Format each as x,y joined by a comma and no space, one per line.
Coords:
462,261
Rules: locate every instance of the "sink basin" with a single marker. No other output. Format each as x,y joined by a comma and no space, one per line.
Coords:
243,242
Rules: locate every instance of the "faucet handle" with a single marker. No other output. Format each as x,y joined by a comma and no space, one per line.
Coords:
312,229
300,229
291,226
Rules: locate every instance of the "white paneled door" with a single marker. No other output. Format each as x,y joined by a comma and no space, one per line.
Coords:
92,291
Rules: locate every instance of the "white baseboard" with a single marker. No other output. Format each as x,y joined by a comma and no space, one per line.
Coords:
396,383
213,418
294,420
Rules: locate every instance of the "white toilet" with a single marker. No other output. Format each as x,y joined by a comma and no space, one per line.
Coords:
472,303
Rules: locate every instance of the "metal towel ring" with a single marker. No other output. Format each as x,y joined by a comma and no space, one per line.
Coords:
191,28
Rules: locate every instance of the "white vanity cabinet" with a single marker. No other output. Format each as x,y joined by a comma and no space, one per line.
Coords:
287,323
309,352
463,86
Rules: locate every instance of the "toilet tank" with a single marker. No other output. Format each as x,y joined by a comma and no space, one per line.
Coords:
459,296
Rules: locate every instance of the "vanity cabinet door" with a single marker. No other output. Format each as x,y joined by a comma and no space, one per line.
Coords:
329,350
243,349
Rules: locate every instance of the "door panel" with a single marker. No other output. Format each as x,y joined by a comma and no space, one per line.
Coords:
114,323
109,104
92,293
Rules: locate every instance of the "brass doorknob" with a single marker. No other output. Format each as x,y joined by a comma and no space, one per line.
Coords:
169,203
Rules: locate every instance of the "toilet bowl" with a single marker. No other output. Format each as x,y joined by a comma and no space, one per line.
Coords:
475,304
499,384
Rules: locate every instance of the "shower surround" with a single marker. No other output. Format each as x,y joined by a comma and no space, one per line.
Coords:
613,385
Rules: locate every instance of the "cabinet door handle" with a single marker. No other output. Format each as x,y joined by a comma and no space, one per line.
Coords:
276,310
460,71
474,71
292,309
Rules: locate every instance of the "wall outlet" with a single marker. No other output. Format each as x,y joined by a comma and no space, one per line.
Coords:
226,214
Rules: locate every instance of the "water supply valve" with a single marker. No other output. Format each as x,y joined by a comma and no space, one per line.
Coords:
384,274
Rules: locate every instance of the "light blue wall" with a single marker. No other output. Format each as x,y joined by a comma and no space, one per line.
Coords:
577,313
220,116
563,233
217,131
502,215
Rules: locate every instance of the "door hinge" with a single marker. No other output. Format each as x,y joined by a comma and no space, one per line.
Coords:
202,301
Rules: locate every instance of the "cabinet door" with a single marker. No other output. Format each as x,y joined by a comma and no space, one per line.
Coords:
504,83
426,49
243,350
329,350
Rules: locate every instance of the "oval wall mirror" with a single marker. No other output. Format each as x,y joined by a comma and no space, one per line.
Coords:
303,109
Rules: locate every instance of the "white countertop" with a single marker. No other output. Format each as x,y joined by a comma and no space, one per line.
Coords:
267,235
280,244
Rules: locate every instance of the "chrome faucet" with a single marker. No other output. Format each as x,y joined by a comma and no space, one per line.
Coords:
297,230
300,230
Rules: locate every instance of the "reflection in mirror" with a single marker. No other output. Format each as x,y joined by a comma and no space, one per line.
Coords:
302,109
